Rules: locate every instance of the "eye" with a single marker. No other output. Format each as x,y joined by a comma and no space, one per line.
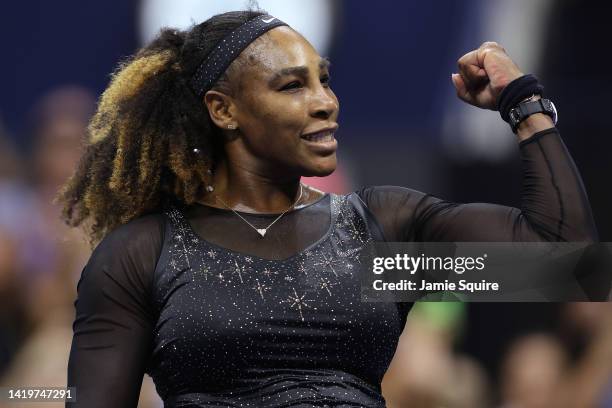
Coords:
325,79
292,85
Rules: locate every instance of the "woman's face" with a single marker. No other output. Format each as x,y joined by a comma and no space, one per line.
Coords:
284,108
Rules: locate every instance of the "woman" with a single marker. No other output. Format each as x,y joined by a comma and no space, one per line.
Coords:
223,277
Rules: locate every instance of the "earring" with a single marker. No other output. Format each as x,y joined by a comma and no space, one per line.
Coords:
210,189
196,151
231,126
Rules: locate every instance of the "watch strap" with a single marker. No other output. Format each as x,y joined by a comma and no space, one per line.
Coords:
525,109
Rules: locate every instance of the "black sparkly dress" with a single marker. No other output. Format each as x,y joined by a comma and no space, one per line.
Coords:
220,317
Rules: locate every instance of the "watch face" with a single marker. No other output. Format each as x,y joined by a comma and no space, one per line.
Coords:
550,107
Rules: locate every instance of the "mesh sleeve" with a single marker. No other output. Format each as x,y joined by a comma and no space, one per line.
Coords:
115,316
554,205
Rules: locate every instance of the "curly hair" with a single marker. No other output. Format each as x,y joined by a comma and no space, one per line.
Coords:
151,140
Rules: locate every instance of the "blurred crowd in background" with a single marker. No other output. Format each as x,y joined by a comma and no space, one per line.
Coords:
452,354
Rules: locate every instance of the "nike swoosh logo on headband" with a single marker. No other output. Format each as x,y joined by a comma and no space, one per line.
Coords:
269,20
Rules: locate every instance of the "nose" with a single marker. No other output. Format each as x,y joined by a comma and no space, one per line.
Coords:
324,103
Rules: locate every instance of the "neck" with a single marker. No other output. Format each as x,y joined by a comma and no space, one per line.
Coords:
246,190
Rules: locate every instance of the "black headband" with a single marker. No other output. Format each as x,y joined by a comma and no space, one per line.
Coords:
228,50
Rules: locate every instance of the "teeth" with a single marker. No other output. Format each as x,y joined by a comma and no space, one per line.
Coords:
320,137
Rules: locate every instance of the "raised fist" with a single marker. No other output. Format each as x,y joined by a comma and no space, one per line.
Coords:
483,74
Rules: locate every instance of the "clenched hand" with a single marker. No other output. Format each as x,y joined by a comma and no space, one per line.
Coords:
483,74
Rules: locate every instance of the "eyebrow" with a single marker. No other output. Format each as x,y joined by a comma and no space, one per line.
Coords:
324,63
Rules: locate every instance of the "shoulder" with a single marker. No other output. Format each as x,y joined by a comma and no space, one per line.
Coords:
127,255
118,280
395,208
144,234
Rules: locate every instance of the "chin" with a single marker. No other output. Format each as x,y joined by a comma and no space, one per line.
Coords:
320,169
325,173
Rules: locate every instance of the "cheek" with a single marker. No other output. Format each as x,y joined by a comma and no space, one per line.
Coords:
282,117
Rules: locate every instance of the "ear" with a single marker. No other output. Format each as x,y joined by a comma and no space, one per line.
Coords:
221,109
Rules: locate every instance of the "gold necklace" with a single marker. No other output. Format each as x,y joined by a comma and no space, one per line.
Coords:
262,231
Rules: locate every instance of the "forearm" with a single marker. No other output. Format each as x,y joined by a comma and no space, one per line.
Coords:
554,202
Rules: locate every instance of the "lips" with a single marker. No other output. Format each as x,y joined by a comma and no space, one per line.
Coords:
320,137
322,134
321,142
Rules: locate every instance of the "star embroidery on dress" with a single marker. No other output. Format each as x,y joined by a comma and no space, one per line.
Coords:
302,269
298,302
325,284
328,263
355,232
211,254
237,270
186,252
221,277
259,288
173,263
338,244
205,270
267,272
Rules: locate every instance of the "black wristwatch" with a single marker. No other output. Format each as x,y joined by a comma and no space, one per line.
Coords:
529,107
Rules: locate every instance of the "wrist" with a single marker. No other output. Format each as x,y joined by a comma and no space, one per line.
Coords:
532,125
526,116
516,92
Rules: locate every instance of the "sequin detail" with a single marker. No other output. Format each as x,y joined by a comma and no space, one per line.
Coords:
234,327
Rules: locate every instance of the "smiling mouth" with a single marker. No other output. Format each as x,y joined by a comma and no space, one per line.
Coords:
320,137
